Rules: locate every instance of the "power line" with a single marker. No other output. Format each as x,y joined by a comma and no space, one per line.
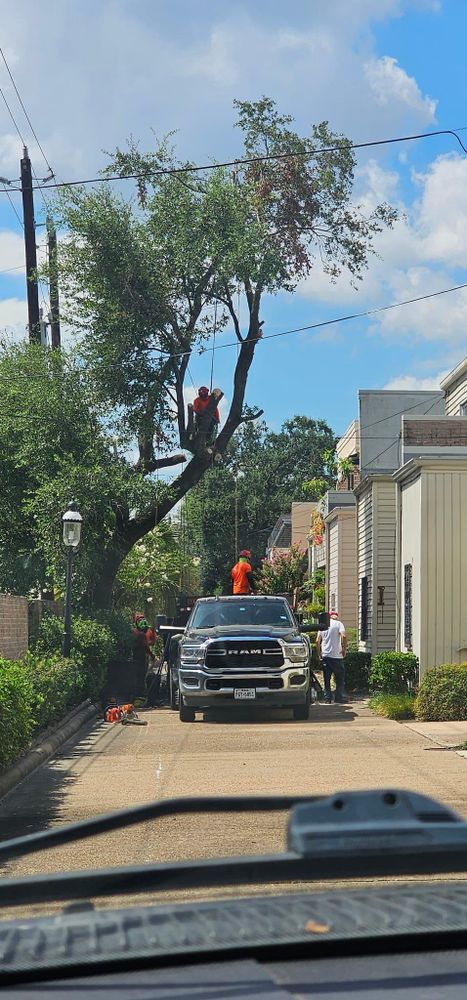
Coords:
323,323
10,199
31,126
312,326
15,123
308,153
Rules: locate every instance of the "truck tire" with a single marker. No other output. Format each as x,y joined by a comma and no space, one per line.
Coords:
174,694
186,714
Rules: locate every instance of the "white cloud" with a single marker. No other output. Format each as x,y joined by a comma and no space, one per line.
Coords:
13,318
414,382
425,252
390,83
11,252
129,67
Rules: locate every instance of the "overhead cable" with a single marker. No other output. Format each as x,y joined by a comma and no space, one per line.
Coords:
245,161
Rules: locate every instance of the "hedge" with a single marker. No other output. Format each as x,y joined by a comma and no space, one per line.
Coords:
41,688
394,706
442,696
357,671
393,673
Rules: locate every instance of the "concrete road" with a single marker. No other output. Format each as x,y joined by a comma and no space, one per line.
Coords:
110,766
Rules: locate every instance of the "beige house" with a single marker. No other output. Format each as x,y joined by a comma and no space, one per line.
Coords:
432,559
454,387
301,521
376,563
341,562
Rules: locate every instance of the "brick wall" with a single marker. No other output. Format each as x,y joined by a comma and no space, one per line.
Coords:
13,626
36,614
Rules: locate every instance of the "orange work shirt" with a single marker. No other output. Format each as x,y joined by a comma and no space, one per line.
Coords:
239,574
200,405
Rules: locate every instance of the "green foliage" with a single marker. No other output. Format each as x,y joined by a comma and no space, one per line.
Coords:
394,706
93,645
40,689
154,570
262,474
393,672
352,640
58,684
17,704
357,670
141,282
53,449
442,695
283,574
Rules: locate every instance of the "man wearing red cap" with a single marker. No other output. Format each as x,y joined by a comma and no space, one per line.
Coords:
331,646
242,574
199,406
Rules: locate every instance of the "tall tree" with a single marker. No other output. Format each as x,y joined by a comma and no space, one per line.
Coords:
144,281
239,501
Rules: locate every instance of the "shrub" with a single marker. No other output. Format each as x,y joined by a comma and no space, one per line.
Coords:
442,696
352,638
393,673
357,671
57,685
16,710
394,706
93,645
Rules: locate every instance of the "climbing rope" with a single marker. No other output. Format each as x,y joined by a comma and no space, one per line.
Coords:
214,333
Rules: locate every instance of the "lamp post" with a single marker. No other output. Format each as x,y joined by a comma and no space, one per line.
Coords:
71,522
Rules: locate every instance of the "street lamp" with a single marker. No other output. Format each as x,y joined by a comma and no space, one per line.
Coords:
71,522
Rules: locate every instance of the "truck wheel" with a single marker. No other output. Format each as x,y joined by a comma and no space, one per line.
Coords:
186,714
174,696
301,712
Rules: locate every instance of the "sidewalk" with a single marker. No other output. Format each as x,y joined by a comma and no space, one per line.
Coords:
446,735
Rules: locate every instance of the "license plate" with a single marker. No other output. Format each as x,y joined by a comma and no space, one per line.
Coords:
243,693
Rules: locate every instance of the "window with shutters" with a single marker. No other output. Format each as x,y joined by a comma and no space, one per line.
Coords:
364,609
408,605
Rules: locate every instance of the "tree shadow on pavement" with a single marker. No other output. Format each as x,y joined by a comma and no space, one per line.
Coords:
37,802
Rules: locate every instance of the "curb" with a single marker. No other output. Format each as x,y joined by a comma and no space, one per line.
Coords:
46,746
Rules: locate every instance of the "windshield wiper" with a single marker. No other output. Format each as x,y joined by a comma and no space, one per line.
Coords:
350,835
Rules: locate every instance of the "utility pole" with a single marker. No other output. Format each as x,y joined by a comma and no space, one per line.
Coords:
30,247
53,284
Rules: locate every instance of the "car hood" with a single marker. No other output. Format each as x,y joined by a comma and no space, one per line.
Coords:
244,632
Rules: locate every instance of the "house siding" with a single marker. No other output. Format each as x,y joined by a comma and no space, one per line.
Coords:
410,506
384,569
455,395
332,587
348,578
365,558
444,541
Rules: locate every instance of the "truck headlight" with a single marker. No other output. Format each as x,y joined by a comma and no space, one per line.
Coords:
297,652
192,653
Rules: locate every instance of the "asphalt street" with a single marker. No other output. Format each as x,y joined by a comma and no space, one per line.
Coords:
109,767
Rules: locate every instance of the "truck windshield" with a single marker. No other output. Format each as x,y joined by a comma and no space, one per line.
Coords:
240,613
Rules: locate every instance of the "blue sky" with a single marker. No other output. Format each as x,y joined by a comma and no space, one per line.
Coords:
91,74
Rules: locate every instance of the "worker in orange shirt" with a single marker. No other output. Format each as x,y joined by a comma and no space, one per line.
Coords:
242,574
199,406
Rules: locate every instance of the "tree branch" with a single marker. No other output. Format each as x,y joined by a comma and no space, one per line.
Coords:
252,416
152,464
229,303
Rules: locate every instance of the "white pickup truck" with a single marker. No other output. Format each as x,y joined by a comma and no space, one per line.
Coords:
241,651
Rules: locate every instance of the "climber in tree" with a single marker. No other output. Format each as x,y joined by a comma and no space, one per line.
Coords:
200,406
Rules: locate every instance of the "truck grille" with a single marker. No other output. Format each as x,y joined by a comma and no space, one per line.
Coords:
244,654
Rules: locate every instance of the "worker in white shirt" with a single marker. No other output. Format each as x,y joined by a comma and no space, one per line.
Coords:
332,646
